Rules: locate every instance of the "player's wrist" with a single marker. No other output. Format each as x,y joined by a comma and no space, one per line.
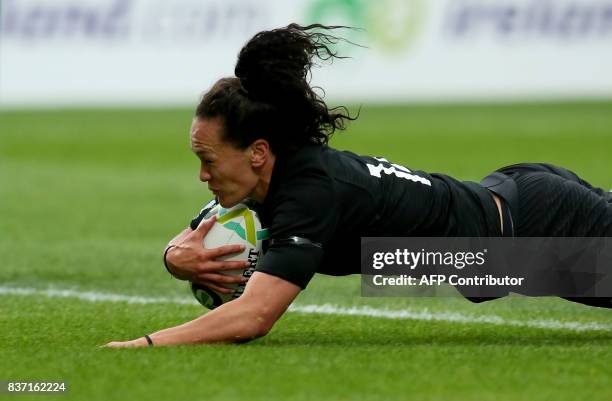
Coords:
167,264
149,341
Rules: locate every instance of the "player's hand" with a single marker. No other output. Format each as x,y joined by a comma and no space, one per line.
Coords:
139,342
187,259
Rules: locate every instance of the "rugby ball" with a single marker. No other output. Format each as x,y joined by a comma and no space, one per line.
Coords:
237,225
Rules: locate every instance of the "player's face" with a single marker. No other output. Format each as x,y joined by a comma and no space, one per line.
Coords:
225,168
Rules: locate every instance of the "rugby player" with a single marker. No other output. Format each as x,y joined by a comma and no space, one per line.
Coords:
263,135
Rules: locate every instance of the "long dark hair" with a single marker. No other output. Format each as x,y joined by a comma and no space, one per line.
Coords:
270,97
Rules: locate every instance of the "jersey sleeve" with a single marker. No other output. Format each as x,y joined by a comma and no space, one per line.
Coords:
305,217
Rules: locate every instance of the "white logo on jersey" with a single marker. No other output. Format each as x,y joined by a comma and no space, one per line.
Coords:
397,170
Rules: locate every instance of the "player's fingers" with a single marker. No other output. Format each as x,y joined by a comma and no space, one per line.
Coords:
215,287
222,265
222,278
205,225
117,344
225,250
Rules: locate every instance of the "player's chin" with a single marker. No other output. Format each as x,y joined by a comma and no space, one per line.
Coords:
228,201
224,202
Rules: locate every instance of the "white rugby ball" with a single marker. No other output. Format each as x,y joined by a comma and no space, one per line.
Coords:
237,225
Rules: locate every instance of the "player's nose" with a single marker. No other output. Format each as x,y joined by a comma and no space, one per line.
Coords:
204,176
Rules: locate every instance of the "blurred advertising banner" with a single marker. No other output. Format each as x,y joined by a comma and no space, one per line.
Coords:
73,52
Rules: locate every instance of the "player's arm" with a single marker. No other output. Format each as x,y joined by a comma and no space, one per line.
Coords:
187,259
180,237
264,301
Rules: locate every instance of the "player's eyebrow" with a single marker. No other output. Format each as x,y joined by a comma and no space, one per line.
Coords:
203,152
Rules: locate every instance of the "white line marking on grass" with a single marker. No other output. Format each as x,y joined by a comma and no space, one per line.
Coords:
327,309
92,296
454,317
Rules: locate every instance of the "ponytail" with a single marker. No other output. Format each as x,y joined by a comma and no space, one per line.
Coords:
271,97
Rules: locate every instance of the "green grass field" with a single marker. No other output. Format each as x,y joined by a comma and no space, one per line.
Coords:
88,200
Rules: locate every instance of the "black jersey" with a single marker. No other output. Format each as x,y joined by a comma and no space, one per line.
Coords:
321,201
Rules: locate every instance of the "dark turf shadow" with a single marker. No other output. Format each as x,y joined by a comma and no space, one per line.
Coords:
462,336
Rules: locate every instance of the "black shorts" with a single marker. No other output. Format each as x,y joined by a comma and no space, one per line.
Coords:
542,200
550,201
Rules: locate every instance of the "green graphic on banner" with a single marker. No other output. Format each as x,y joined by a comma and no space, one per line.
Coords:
389,25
